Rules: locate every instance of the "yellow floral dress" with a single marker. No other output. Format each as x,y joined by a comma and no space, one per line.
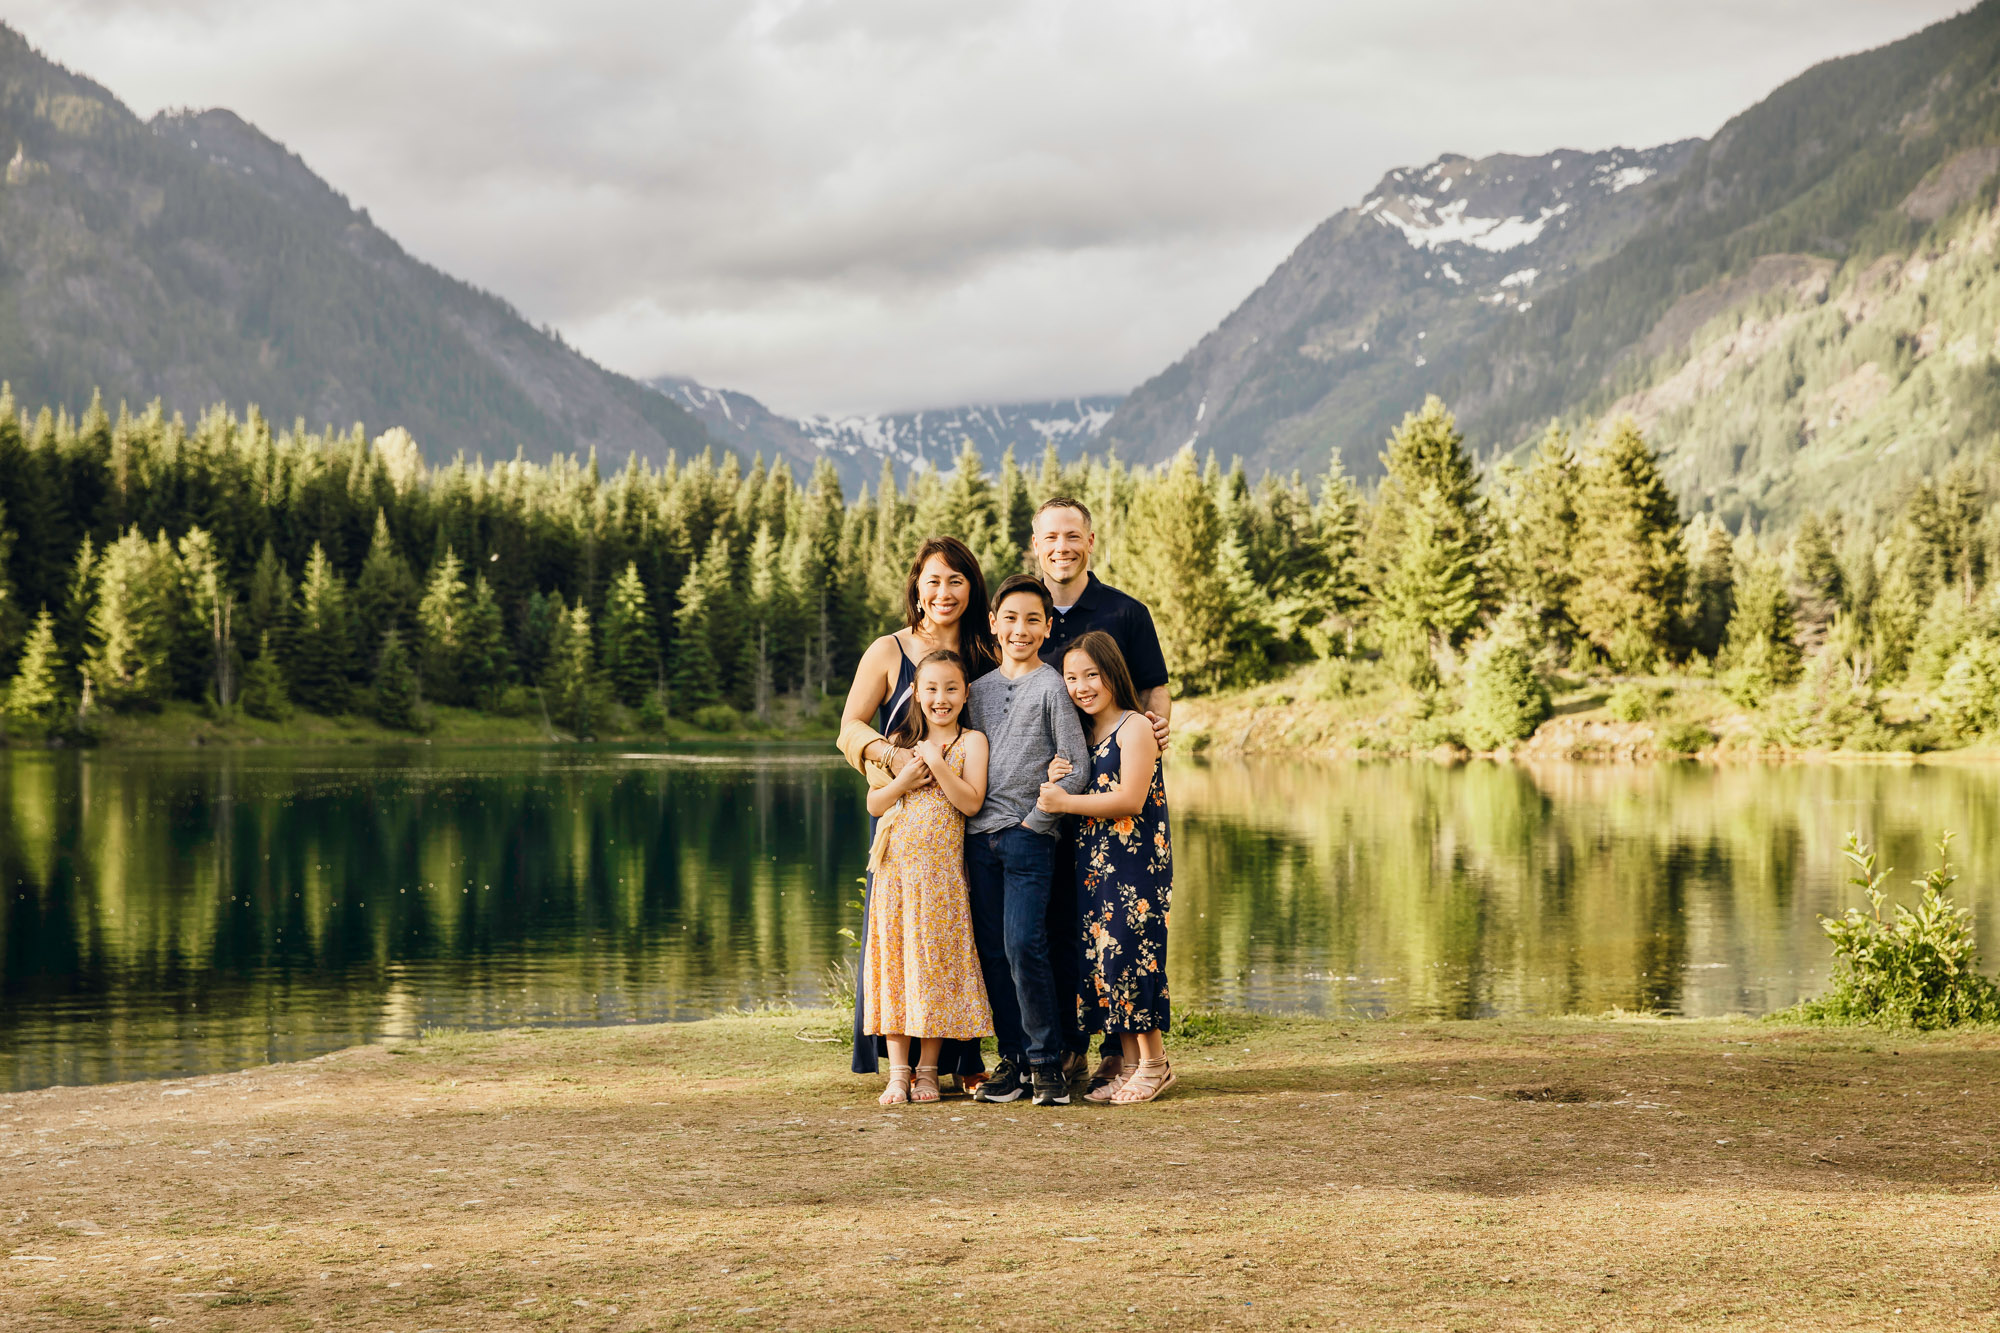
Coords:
1125,884
919,973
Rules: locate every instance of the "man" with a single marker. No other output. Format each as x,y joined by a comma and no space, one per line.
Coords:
1011,847
1063,542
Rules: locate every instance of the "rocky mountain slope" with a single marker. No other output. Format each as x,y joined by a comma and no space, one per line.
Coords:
194,260
1559,285
859,444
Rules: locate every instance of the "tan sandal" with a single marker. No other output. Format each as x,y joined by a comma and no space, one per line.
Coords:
925,1089
1104,1086
898,1091
1149,1080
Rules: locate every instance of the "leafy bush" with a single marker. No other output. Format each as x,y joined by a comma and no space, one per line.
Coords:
1634,703
716,717
1505,698
1830,709
1915,969
1683,738
653,714
1968,698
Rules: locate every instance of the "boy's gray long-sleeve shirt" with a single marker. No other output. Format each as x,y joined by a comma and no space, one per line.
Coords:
1028,721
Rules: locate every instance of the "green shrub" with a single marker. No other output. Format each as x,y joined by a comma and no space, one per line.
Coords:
515,701
653,714
1683,738
1916,968
1632,702
1505,698
1829,710
716,717
1968,698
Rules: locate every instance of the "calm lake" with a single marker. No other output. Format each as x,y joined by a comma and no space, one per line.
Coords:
182,913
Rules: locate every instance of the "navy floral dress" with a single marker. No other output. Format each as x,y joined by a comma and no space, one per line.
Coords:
1125,880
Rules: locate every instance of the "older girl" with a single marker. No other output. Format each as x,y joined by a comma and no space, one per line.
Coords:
919,971
1124,869
943,584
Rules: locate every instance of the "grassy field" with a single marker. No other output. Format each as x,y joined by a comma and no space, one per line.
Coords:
1522,1175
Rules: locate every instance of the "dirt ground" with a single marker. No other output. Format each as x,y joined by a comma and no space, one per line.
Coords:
1566,1174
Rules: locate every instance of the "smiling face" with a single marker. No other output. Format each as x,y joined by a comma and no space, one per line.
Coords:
1020,622
1063,542
942,593
940,694
1085,683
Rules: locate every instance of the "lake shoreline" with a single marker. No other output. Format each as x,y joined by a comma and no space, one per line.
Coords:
1571,1173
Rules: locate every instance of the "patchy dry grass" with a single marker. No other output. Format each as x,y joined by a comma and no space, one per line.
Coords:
1569,1174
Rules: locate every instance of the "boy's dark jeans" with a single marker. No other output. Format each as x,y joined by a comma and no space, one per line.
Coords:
1009,875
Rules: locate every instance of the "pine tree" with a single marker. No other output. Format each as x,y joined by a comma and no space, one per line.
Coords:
1176,534
1631,572
264,693
692,674
1017,506
34,701
441,627
10,602
484,660
572,679
73,622
1817,583
631,650
1760,655
1332,591
769,615
205,654
396,695
269,610
722,614
385,593
132,626
323,644
540,620
1711,587
1429,542
1539,534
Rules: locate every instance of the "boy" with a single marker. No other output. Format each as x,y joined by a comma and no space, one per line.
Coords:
1010,845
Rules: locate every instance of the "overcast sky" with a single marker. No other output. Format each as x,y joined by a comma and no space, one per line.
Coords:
847,206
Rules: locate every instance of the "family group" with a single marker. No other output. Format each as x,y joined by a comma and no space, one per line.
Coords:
1020,868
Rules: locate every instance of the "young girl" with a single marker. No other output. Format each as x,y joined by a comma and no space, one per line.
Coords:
1124,869
920,973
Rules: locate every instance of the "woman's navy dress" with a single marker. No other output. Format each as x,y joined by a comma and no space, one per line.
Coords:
956,1057
1125,884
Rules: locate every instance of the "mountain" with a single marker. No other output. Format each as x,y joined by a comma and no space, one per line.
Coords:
1564,285
858,444
195,260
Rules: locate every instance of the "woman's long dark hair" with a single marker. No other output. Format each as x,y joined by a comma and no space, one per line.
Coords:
976,644
1102,650
916,726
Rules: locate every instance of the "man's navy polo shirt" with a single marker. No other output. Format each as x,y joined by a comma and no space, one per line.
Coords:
1124,618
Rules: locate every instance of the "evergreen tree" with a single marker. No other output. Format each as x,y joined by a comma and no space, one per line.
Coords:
132,627
441,627
1171,566
323,643
73,622
269,610
35,701
1505,698
1017,505
385,593
205,664
1539,534
1332,591
1711,587
10,602
396,695
540,621
768,615
1631,572
1429,542
692,674
721,613
1817,582
631,649
485,662
572,689
1760,655
264,693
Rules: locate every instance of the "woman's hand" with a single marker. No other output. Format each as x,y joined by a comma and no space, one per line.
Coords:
1060,768
1053,799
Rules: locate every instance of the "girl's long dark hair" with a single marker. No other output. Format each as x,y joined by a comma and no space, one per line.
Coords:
916,726
1102,650
977,647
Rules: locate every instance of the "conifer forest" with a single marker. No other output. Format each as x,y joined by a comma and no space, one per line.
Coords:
234,566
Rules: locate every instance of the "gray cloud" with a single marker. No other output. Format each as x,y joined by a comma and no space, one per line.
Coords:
868,204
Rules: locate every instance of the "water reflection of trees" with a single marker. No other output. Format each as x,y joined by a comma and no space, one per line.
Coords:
204,911
1488,888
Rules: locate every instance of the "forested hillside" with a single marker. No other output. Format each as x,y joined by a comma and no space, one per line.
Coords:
1856,159
193,260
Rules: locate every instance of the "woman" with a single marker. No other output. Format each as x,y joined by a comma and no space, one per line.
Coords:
944,609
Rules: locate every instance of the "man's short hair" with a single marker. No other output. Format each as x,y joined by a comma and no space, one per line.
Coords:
1025,583
1064,502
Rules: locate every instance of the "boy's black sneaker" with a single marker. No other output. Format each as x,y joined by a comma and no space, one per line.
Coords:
1051,1088
1003,1084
